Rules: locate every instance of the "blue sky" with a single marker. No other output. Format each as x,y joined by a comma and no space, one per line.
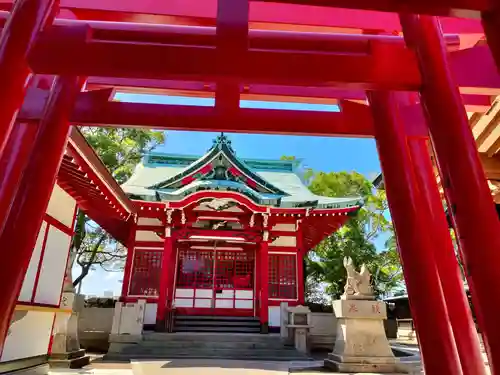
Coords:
320,153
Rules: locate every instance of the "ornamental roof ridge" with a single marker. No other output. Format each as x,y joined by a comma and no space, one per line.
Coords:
220,141
219,163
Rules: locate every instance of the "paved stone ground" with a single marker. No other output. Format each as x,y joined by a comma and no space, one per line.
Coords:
224,367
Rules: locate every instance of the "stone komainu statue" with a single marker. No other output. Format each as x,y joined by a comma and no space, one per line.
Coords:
358,283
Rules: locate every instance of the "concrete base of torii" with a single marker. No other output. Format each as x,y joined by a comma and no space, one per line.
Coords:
361,345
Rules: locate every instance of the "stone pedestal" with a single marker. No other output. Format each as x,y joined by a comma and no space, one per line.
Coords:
361,344
66,352
298,324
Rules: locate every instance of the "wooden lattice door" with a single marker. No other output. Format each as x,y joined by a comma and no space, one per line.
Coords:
219,282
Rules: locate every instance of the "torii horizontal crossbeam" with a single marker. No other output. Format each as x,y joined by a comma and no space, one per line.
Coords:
74,50
277,14
94,109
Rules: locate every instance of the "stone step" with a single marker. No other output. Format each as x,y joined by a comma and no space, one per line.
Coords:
73,363
219,344
214,323
217,318
115,357
217,329
234,324
211,337
263,354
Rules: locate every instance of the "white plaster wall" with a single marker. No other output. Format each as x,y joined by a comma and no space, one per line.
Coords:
323,324
61,206
29,279
284,227
148,221
53,267
274,316
323,331
287,241
144,235
29,336
150,313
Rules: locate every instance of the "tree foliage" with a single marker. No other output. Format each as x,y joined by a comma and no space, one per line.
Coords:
120,150
355,239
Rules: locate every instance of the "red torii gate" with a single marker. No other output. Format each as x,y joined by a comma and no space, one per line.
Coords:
233,59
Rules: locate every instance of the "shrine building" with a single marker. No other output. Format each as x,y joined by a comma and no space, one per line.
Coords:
220,235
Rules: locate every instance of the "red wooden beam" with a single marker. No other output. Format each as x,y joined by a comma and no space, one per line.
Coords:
464,8
354,120
480,101
381,51
388,66
86,157
262,14
207,36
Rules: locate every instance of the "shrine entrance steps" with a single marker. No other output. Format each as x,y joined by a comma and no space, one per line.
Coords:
246,346
233,324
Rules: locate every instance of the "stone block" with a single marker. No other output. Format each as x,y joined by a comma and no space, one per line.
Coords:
125,338
73,360
361,344
360,309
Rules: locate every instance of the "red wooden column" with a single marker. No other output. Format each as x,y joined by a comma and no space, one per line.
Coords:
301,253
12,164
166,279
460,315
27,19
491,25
471,202
427,304
19,234
127,273
264,283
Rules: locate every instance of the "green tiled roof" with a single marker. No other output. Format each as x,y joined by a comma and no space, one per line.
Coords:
158,177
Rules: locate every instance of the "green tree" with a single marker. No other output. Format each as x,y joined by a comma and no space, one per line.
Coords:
354,239
120,150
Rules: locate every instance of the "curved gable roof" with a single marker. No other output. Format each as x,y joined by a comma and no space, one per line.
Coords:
220,163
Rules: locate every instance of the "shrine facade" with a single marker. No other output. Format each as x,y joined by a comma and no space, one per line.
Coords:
220,235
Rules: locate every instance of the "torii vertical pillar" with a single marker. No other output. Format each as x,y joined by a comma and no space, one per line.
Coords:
27,19
457,304
491,25
429,312
466,187
33,195
12,164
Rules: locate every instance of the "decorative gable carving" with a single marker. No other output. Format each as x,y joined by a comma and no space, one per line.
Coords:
219,164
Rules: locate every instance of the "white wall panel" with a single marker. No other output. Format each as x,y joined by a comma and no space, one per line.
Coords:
53,267
184,292
29,336
224,303
274,316
243,304
205,303
226,293
288,241
61,206
144,235
29,279
244,294
150,313
204,293
148,221
183,302
285,227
